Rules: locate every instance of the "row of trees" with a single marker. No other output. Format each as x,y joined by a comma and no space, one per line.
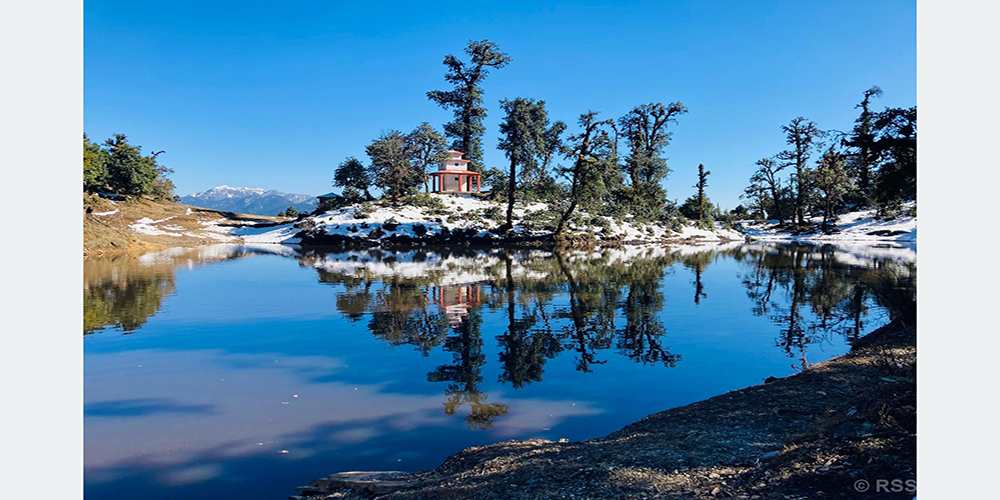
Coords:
599,179
828,172
616,167
119,167
399,163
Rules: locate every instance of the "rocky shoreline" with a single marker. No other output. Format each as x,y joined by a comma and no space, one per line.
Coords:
832,430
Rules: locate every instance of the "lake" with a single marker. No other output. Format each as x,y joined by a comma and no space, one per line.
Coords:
250,370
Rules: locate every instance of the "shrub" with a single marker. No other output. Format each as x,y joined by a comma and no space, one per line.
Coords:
540,219
494,213
677,223
363,211
420,230
708,223
425,200
306,224
390,224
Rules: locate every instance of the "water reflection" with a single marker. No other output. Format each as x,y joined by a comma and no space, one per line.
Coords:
124,292
826,280
414,354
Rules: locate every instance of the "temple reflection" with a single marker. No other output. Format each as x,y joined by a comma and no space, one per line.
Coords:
455,301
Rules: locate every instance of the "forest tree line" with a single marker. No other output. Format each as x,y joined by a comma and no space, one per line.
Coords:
615,167
119,168
825,173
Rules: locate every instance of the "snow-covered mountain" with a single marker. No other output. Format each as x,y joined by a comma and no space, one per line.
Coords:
245,200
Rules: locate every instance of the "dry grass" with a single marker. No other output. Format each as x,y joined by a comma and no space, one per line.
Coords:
109,234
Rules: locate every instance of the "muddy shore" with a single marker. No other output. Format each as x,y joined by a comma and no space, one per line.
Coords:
844,428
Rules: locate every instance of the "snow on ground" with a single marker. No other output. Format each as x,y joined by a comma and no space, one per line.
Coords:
146,225
461,212
210,230
853,226
855,253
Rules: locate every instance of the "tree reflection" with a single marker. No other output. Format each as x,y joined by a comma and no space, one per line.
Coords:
528,341
124,300
124,292
589,305
812,279
465,374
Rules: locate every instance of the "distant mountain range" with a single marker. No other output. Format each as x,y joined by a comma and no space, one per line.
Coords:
254,201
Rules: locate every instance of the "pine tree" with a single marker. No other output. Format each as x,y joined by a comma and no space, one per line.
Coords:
522,141
767,176
392,166
589,150
645,130
701,185
864,160
537,183
800,134
832,184
896,181
129,173
428,148
95,170
466,97
352,174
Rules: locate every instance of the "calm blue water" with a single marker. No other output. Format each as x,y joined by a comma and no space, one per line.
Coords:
223,370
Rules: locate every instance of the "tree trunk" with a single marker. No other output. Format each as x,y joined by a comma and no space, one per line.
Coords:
574,195
511,188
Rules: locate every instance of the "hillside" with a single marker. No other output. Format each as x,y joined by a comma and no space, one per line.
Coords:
446,218
852,226
141,225
249,200
439,219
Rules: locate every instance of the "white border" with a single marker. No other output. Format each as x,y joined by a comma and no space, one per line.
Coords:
957,95
41,371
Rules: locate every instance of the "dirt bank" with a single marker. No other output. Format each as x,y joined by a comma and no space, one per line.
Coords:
816,434
140,225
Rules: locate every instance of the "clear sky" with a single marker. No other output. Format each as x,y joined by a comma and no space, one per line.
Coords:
275,94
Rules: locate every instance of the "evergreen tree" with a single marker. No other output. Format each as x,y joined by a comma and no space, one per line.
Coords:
95,170
352,174
129,173
586,179
522,141
702,183
800,134
896,132
757,198
832,184
645,129
864,159
392,165
163,187
428,148
466,97
766,176
537,183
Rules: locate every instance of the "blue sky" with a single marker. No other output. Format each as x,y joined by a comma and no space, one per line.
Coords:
275,94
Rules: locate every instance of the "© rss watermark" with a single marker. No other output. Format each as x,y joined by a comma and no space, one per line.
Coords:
886,486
